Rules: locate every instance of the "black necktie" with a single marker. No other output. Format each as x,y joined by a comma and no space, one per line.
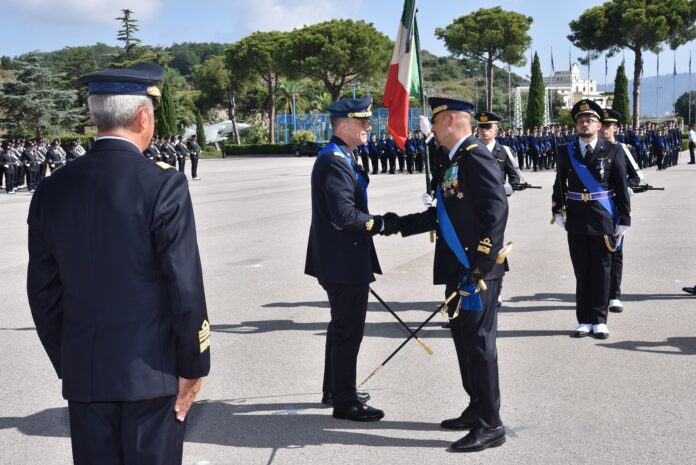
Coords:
588,151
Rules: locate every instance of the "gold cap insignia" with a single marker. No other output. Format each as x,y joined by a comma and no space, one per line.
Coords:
153,91
584,107
437,110
606,114
204,336
483,119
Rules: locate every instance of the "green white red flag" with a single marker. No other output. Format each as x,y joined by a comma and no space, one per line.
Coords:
403,80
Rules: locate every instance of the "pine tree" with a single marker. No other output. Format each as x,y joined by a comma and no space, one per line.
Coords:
200,131
165,116
129,26
535,100
34,103
620,102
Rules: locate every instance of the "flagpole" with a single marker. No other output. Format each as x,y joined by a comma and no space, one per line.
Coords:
509,95
657,98
689,87
426,155
674,83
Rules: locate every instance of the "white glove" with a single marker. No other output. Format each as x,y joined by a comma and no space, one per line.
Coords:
559,220
508,189
425,125
630,192
428,201
621,230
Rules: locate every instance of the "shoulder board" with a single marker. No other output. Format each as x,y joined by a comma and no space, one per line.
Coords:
163,165
471,147
337,154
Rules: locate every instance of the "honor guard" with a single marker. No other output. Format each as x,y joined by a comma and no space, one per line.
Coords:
470,220
181,153
610,120
8,165
341,253
115,284
487,130
194,152
591,202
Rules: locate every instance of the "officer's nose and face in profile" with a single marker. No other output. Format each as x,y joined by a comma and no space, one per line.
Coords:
353,131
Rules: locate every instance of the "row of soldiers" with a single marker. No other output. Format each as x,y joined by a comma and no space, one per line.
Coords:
385,152
24,163
174,151
537,149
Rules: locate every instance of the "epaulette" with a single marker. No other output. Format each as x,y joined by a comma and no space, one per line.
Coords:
163,165
337,154
471,147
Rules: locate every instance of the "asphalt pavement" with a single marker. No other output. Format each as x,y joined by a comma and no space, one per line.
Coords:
626,400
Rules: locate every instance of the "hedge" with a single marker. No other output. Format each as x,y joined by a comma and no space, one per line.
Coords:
258,149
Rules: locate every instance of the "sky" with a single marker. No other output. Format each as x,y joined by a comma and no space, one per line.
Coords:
53,24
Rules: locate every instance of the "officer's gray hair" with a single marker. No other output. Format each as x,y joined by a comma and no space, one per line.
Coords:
111,112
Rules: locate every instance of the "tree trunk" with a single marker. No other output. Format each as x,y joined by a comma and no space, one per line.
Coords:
489,83
231,111
637,70
272,82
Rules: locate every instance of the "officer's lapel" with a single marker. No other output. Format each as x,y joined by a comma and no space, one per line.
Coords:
598,152
576,151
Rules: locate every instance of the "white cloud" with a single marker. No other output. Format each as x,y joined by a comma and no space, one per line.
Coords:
78,11
285,15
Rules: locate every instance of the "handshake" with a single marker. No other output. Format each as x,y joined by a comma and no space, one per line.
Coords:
391,223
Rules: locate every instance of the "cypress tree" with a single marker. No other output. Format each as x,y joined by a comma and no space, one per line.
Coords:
165,117
200,131
620,102
535,99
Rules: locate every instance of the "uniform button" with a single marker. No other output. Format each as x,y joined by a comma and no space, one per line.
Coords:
355,243
466,249
585,190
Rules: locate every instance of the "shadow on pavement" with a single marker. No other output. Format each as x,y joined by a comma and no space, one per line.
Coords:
683,346
270,426
382,329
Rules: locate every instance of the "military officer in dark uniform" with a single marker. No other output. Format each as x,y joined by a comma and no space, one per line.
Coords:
470,220
115,284
31,165
341,254
8,166
591,202
610,120
486,130
181,153
194,152
54,157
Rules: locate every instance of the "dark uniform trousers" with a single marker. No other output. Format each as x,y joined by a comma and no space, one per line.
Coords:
616,273
474,335
343,337
194,166
148,432
592,266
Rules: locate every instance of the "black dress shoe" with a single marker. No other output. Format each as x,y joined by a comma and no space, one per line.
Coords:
360,412
616,309
462,422
600,335
579,334
327,398
479,439
690,290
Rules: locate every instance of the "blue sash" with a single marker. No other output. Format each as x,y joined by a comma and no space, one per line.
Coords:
590,182
334,148
472,301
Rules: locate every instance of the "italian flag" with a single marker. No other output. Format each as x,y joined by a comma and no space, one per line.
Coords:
403,80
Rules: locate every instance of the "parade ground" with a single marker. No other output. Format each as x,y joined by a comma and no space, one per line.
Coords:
626,400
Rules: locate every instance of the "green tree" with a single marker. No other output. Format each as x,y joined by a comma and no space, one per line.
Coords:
165,116
33,101
219,85
262,55
489,35
129,26
620,102
339,53
200,129
535,99
682,106
637,25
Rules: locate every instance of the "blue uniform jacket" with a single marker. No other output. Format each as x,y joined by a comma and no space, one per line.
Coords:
340,249
114,280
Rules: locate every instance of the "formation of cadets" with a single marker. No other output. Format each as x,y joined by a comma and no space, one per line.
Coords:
174,151
24,163
534,149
